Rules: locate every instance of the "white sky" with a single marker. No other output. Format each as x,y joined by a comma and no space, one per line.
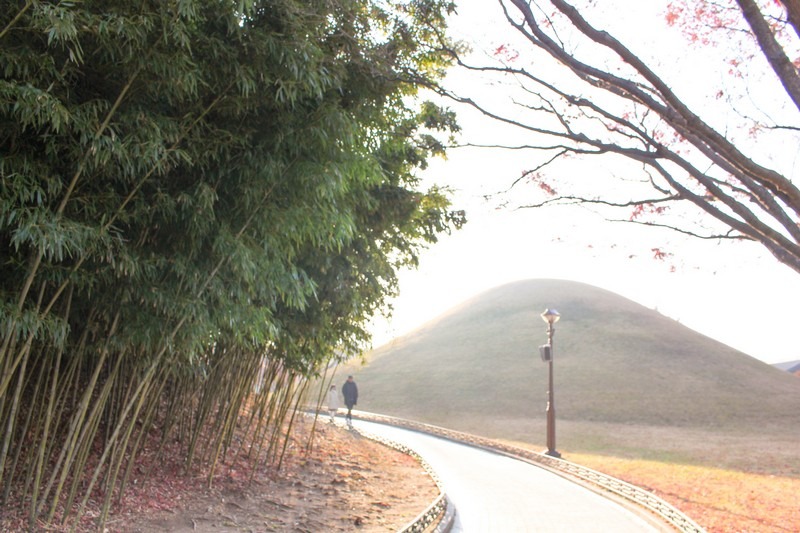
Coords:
735,293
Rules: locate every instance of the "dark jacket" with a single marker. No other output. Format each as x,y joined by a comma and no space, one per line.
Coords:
350,393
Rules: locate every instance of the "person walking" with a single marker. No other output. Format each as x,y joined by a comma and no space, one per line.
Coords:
333,402
350,393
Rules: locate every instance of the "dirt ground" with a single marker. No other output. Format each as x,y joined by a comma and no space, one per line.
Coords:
347,483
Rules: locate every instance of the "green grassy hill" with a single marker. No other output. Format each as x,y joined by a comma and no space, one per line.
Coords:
625,376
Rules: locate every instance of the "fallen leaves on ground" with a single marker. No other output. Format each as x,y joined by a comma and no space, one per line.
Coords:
346,483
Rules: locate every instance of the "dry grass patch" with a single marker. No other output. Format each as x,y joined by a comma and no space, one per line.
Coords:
726,482
719,500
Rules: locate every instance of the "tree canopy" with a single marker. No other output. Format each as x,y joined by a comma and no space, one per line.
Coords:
201,203
689,116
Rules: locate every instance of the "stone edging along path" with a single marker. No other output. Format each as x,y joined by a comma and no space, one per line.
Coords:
440,510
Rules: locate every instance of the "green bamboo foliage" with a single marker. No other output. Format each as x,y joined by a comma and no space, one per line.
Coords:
201,205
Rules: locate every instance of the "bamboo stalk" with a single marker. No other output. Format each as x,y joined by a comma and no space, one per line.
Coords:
43,443
12,414
115,463
144,430
16,18
298,396
60,403
34,407
84,450
262,400
76,425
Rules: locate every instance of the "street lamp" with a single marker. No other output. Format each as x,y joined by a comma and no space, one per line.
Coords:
550,316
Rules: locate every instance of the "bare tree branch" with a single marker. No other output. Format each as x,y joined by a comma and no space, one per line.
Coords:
711,237
773,52
755,201
793,14
628,110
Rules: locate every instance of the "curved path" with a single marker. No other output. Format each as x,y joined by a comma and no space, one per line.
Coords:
492,492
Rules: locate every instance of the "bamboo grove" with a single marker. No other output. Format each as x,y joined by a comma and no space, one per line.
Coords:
202,202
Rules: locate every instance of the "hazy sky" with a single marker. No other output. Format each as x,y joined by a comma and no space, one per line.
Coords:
736,293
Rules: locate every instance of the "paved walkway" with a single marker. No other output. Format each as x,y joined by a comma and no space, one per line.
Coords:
492,492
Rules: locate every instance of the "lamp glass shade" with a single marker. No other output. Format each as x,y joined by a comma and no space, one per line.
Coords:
550,316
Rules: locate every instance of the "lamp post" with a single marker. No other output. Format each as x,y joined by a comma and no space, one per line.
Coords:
550,316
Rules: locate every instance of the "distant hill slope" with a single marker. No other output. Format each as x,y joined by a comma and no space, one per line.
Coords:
615,362
788,366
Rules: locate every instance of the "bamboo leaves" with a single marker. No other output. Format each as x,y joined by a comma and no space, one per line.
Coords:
201,206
